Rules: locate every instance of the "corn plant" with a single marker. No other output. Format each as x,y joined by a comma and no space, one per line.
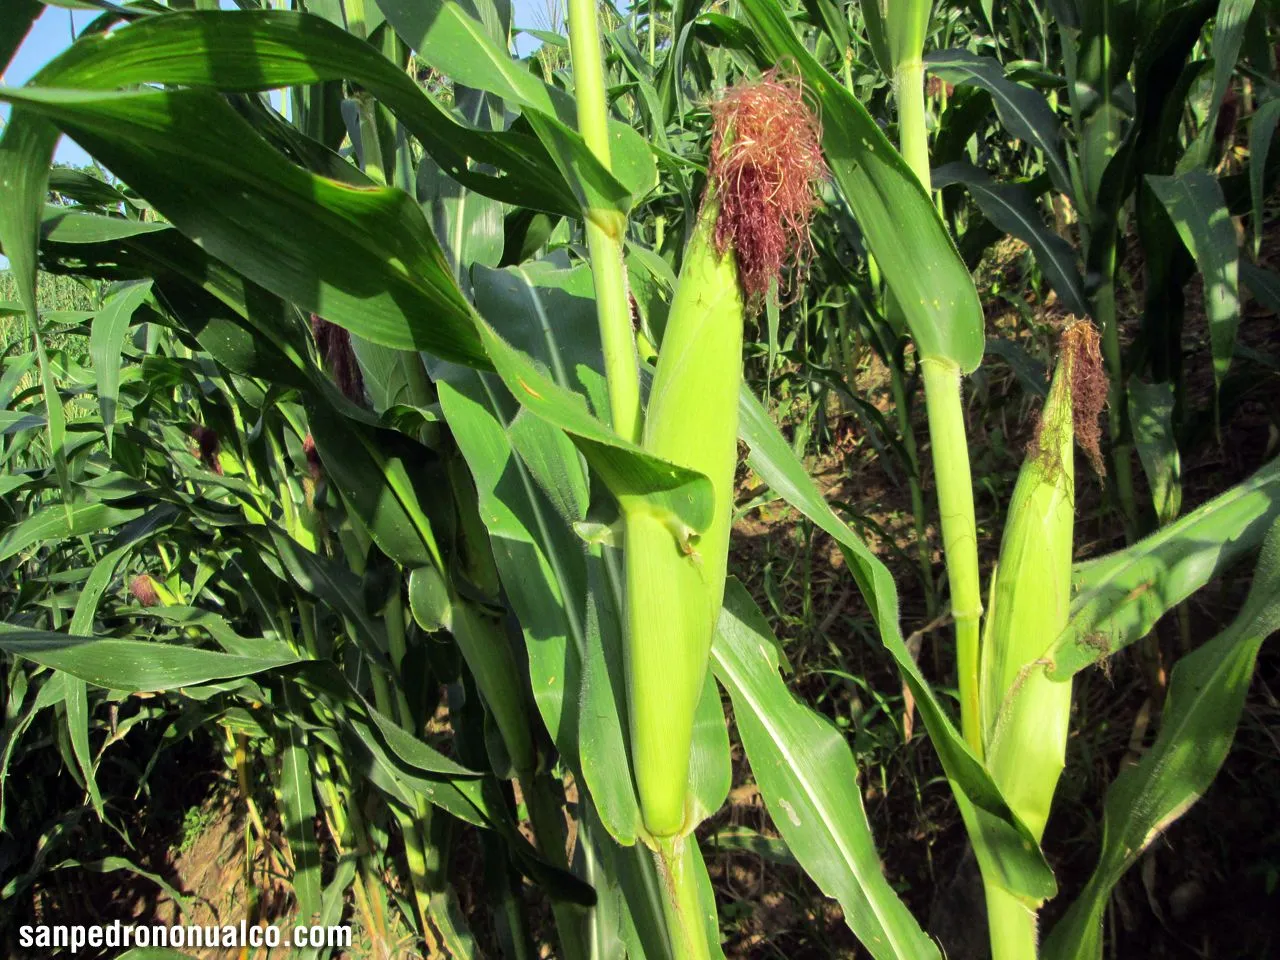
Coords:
434,454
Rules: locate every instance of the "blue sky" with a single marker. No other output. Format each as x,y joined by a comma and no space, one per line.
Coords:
50,35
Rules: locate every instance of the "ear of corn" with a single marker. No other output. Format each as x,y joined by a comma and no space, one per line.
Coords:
673,596
1025,714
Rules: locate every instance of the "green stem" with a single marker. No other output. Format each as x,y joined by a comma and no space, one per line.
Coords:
959,531
681,903
1011,924
605,228
913,132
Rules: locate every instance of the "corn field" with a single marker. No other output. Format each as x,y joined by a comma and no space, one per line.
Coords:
762,479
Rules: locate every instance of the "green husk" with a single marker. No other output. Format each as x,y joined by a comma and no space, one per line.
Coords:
674,596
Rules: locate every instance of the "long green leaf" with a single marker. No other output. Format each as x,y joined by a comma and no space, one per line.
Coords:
459,47
132,665
1024,111
1121,596
298,811
55,523
1196,206
1151,416
1206,697
1228,35
106,340
809,781
363,258
1012,208
245,51
1262,131
18,18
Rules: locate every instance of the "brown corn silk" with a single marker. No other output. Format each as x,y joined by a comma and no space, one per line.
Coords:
143,589
1082,346
334,344
209,446
766,161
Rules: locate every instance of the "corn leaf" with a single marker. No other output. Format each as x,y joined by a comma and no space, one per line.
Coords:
298,811
77,719
362,258
1151,416
266,49
919,261
1196,206
1262,131
809,780
1012,208
132,665
1228,34
106,340
19,16
1023,111
56,522
1202,709
444,36
1120,597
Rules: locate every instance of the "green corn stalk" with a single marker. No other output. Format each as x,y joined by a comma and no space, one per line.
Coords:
902,29
1026,716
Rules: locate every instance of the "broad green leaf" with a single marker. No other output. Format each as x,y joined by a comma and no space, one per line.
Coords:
373,472
1263,284
267,49
918,259
26,152
1023,110
560,590
106,340
18,18
877,34
710,763
1121,596
132,665
680,498
1000,839
77,701
1012,208
809,780
1151,417
362,258
55,523
74,226
298,810
1201,711
1195,204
